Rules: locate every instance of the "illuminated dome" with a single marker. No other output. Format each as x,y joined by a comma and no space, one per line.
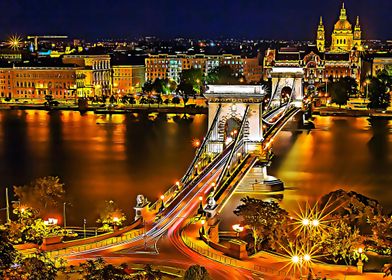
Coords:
343,24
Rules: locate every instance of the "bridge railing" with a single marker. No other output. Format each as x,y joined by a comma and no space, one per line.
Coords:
212,254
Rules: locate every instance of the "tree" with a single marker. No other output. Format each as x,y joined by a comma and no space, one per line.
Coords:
176,100
29,228
340,91
41,194
111,216
264,219
8,253
98,270
159,85
354,208
147,87
38,267
379,91
382,233
196,272
340,241
150,274
224,75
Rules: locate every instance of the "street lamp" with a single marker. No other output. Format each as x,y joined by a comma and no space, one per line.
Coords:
360,262
305,222
64,216
163,203
367,81
238,229
84,227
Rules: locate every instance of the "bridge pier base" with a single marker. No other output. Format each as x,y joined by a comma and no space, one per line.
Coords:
258,180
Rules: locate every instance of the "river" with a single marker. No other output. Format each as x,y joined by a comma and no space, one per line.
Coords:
124,156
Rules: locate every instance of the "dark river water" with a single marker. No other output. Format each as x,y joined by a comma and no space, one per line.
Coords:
124,156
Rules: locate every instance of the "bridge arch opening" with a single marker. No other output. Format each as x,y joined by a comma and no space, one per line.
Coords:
232,126
229,127
285,93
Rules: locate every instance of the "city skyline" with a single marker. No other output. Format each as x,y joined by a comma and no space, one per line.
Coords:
170,19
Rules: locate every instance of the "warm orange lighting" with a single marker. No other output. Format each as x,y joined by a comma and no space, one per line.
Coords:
202,222
238,228
115,219
162,197
196,143
295,259
200,198
305,222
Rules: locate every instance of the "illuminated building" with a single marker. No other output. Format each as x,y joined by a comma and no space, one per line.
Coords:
381,63
128,73
319,63
344,38
38,81
96,66
170,66
128,79
5,82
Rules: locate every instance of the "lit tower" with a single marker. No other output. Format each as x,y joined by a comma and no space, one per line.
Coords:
342,35
357,36
321,36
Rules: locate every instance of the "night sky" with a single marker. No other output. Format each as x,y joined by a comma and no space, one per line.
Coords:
262,19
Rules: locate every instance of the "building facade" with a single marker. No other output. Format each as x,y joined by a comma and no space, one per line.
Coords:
128,79
97,67
166,66
38,82
344,38
316,65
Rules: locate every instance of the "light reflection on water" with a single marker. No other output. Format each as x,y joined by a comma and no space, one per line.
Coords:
347,153
124,156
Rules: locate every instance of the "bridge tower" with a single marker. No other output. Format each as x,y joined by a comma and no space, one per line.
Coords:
228,107
287,81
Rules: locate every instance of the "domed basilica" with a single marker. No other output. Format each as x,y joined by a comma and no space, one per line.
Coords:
344,38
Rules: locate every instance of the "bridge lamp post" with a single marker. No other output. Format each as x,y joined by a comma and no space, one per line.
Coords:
202,226
163,203
238,229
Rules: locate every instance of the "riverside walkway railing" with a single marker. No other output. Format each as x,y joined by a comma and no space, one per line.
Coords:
95,245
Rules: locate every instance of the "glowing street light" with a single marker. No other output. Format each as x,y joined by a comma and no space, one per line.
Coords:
315,222
196,143
238,229
305,222
295,259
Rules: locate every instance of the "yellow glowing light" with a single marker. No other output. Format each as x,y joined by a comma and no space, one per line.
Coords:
196,143
200,198
162,197
202,222
315,222
14,42
115,219
238,228
307,257
177,183
360,250
305,222
295,259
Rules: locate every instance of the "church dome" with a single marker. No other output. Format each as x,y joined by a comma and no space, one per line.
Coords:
343,24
